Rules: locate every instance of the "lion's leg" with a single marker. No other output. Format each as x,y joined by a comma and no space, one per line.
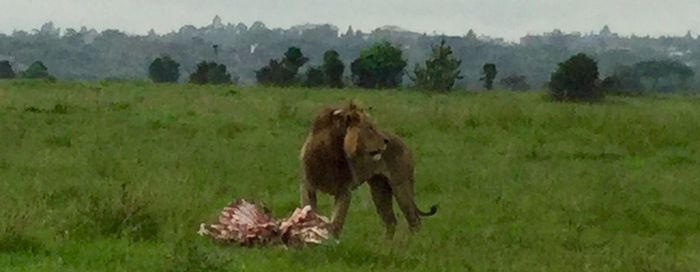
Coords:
308,196
340,210
404,196
381,195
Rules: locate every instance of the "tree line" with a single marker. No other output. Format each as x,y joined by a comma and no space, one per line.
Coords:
383,66
86,54
380,66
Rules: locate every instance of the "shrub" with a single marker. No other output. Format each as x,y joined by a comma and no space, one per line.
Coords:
663,75
575,80
164,69
333,69
623,81
6,71
210,73
380,66
282,72
440,72
329,74
36,70
489,72
515,83
315,77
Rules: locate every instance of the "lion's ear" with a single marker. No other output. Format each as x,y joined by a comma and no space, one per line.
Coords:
338,112
354,105
350,143
354,118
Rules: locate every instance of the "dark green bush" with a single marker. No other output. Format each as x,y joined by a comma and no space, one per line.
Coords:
575,80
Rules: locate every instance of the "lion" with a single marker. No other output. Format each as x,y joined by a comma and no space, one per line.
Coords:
343,150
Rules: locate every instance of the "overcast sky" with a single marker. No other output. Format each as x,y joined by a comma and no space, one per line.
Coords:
509,19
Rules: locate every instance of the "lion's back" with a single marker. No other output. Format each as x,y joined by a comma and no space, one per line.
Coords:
398,158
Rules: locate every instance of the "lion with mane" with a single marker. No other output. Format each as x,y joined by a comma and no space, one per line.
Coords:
343,150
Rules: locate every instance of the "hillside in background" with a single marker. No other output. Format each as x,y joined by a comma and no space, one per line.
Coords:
87,54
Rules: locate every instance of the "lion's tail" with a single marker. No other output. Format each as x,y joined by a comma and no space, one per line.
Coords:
433,210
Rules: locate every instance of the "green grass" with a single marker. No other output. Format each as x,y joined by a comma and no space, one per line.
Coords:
118,176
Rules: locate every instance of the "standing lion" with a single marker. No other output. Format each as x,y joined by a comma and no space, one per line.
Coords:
343,150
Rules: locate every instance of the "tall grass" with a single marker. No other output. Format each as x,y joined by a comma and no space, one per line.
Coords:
118,176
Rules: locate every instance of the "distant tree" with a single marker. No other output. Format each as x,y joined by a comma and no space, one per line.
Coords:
623,81
440,72
283,72
273,74
575,80
6,71
471,35
164,69
489,72
315,77
655,75
294,58
674,74
515,83
216,49
210,73
36,70
380,66
333,69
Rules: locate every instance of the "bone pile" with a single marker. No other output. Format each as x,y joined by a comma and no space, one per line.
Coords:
304,227
242,223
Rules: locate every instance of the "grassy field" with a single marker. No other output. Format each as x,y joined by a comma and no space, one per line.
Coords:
118,176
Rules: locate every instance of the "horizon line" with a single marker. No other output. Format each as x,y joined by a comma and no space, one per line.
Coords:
433,33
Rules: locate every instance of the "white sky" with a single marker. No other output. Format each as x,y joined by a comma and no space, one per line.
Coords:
509,19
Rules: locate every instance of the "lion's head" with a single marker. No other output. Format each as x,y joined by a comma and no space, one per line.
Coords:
360,137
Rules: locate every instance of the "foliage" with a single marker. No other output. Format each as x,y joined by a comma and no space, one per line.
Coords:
6,71
294,58
315,77
489,71
275,73
675,74
210,73
329,74
515,83
282,72
333,69
164,69
623,81
575,80
441,70
88,54
380,66
656,75
36,71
